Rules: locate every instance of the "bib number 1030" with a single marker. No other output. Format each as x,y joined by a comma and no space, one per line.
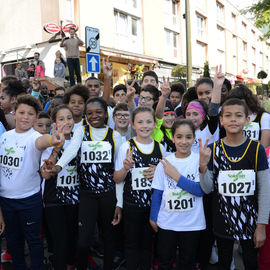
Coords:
139,182
11,157
179,200
96,152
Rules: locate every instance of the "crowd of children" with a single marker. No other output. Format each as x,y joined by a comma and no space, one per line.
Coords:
159,174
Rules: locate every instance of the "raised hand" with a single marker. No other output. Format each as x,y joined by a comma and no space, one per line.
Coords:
205,155
165,87
58,138
107,67
130,89
128,161
149,173
170,170
219,77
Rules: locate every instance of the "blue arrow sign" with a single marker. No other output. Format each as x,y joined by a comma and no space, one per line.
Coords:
93,63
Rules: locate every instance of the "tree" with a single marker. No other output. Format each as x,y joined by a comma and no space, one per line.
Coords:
261,13
206,70
179,71
262,75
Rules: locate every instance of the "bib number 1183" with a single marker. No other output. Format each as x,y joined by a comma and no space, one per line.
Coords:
139,182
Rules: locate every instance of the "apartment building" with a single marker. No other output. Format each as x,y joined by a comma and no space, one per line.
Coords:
145,32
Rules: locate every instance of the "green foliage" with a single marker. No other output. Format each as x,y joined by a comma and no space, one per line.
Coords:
262,75
179,71
261,13
206,70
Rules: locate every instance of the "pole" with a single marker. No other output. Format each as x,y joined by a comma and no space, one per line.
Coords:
188,44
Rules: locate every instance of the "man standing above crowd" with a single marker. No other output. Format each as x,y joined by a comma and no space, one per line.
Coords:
71,46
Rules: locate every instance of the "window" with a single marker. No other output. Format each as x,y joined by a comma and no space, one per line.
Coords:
201,24
134,4
70,11
170,12
254,70
261,61
221,38
220,12
244,49
253,36
253,55
233,23
200,54
234,45
171,44
234,65
244,30
128,33
134,27
221,58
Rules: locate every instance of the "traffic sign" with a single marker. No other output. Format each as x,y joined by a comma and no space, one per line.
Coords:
93,63
92,41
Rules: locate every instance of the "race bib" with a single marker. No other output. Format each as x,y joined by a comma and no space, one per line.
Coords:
68,177
236,183
12,157
179,200
252,131
96,152
139,182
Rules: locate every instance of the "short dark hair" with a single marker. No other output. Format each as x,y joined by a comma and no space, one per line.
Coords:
143,109
92,78
30,101
7,79
57,109
150,73
77,89
181,122
14,89
60,88
43,114
204,80
72,28
234,101
118,88
152,90
120,107
241,91
99,100
178,87
37,53
228,84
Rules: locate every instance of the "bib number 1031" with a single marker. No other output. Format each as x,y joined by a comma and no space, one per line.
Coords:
139,182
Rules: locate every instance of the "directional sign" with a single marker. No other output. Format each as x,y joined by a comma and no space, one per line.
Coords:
92,41
93,63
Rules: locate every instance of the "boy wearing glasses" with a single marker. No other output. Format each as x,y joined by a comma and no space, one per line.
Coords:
121,117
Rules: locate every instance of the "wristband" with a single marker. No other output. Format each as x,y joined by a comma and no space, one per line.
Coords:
50,143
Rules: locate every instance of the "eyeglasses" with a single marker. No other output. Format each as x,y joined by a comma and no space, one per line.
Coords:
146,99
119,116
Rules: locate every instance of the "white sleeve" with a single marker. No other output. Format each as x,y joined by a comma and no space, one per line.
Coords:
159,177
118,142
121,156
110,117
72,150
119,193
163,150
265,121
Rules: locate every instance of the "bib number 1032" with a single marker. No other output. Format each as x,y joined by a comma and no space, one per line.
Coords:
96,152
179,200
139,182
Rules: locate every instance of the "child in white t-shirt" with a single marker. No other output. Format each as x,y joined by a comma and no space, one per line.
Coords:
177,208
20,196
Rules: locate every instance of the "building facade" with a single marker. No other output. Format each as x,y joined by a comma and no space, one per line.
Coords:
145,32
